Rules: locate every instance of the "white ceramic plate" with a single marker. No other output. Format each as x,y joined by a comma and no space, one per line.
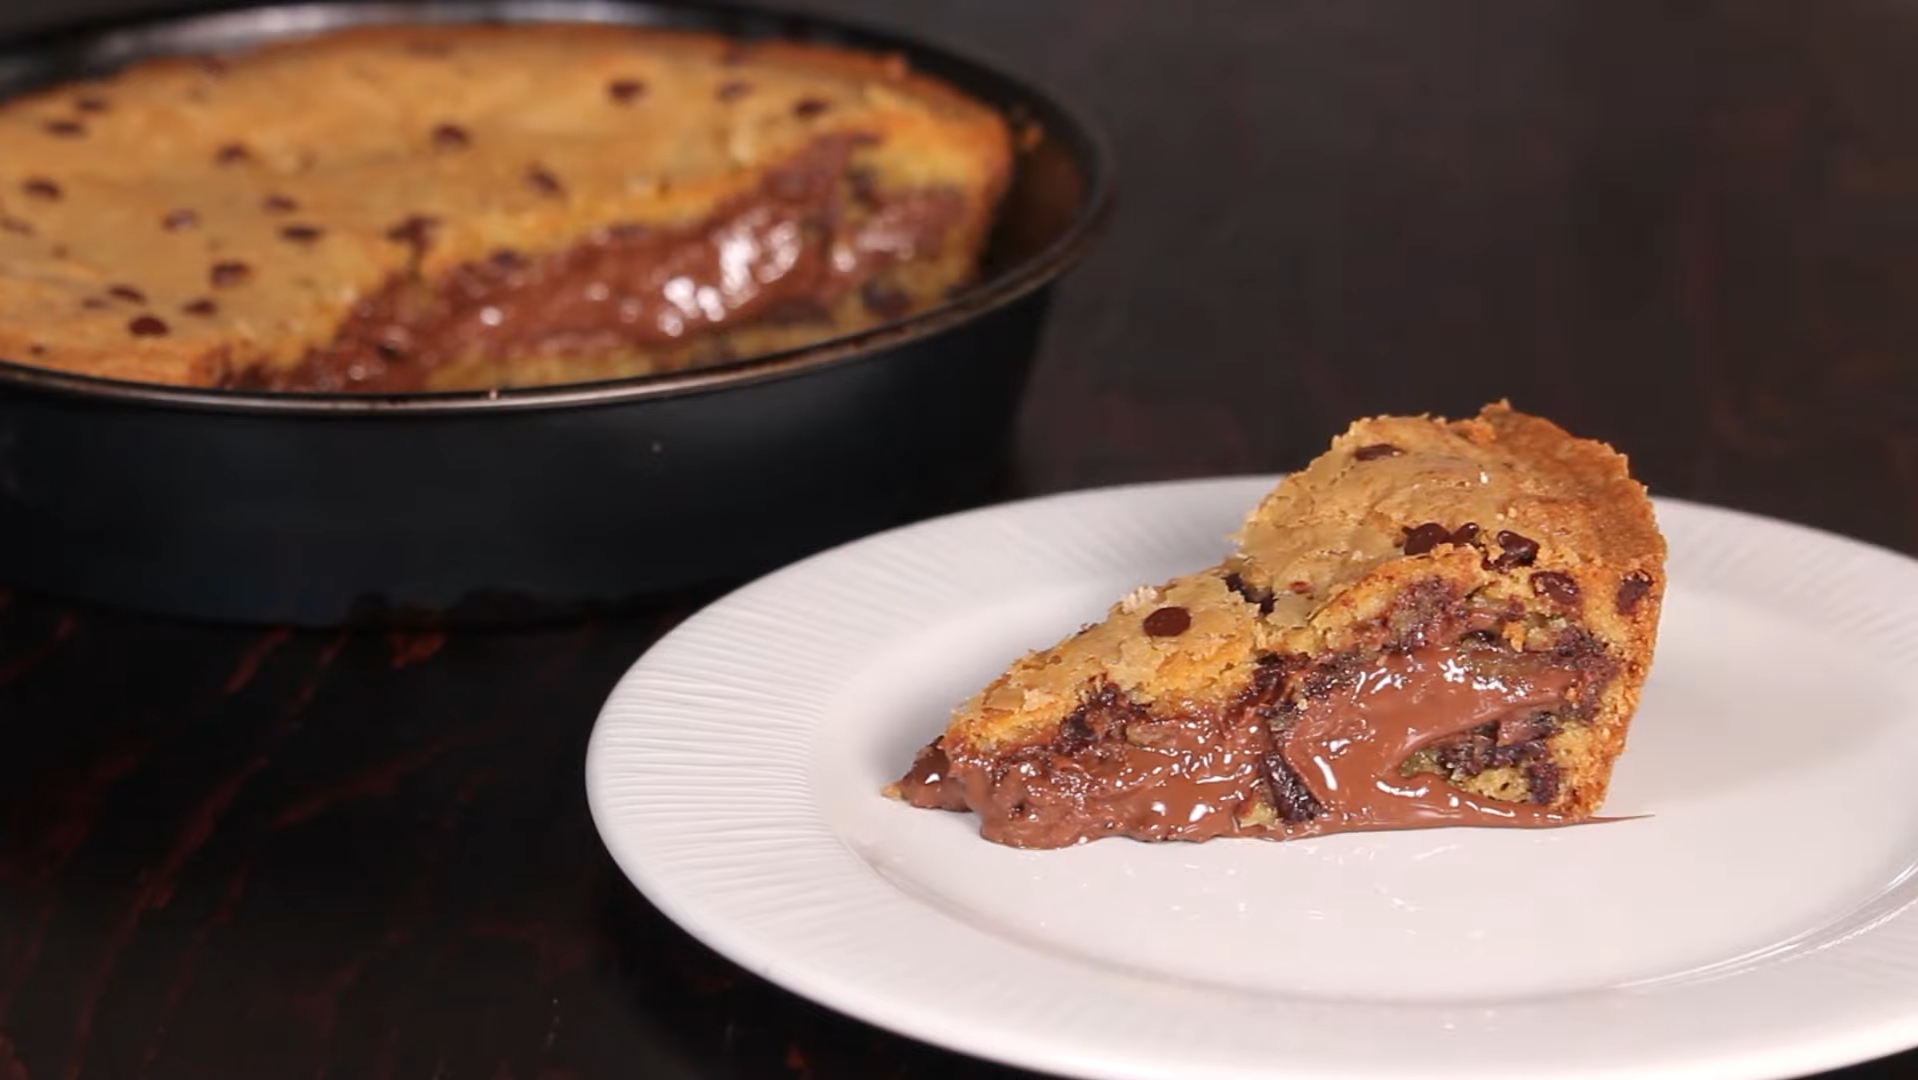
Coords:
1755,924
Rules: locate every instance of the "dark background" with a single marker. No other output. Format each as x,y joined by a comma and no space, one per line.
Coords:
1689,228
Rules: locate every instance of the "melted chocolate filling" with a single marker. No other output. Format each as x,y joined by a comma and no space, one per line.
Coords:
785,253
1350,745
1360,741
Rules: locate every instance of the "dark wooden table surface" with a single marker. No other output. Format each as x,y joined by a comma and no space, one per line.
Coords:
1688,227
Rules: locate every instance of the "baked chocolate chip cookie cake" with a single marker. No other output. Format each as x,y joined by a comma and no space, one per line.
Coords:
457,207
1434,623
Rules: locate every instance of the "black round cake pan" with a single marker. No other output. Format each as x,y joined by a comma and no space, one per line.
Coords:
538,502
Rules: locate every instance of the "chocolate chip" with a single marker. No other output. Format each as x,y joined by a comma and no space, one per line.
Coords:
451,137
1075,733
416,231
733,55
1168,622
1376,451
625,91
883,300
232,154
213,65
1250,595
1423,538
147,326
1515,551
1632,590
1520,753
179,219
59,251
1294,801
127,293
95,303
1512,741
506,259
1554,586
733,90
1468,755
302,234
15,226
807,108
34,348
203,307
1465,534
544,182
1524,729
91,104
227,274
40,187
1577,645
1542,782
278,204
65,129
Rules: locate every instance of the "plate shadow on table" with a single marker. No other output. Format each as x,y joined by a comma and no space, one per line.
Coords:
698,1015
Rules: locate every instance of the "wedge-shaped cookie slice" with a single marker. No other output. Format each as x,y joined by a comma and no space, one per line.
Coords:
1433,624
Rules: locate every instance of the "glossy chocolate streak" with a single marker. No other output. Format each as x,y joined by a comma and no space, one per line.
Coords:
1330,763
1347,746
785,253
1182,776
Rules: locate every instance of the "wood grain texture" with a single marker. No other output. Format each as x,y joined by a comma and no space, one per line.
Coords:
1688,228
